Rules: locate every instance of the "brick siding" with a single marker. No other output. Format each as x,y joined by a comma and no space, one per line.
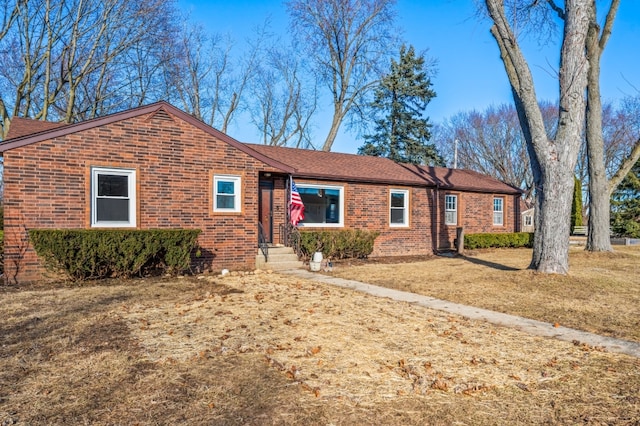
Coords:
47,185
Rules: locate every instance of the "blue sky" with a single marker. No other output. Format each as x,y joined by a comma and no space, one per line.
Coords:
470,73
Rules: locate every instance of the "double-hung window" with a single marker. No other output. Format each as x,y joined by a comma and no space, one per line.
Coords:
498,211
450,209
226,194
323,205
399,208
113,197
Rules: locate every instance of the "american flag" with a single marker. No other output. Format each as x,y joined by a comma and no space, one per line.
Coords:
296,208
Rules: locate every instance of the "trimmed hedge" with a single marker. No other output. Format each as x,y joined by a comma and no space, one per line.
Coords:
343,244
515,239
84,254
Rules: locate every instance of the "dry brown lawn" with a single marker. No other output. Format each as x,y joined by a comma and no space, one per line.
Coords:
273,349
601,294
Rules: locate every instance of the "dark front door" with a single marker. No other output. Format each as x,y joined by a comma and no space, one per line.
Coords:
265,210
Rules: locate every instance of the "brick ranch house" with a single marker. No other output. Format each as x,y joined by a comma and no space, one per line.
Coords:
158,167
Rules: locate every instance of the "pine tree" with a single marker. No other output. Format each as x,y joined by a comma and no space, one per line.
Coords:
401,130
576,206
625,205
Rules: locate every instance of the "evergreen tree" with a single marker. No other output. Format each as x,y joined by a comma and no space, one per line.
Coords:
401,131
576,206
625,205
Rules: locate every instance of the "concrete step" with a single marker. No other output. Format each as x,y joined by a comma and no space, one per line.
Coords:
280,258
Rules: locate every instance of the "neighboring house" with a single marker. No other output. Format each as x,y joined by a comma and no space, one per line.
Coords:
528,212
158,167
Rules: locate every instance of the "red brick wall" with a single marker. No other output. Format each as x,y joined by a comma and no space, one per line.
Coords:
47,185
475,215
367,207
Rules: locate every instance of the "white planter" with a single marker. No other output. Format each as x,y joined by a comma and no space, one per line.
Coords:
317,257
314,266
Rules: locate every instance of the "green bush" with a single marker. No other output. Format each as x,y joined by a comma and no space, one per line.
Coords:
344,244
515,239
93,254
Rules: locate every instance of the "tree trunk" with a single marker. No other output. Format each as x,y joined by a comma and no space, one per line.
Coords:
333,131
553,211
598,238
552,161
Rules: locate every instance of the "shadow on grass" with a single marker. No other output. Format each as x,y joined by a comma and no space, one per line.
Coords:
486,263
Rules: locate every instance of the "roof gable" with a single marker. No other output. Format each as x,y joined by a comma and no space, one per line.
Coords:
54,130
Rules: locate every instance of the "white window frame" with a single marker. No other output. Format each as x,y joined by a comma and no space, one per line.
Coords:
528,220
237,193
131,175
405,208
448,210
340,223
498,214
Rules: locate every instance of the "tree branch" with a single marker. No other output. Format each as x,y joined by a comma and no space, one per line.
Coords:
625,167
608,24
556,9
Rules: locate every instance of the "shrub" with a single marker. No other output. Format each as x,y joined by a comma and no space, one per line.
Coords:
343,244
94,254
515,239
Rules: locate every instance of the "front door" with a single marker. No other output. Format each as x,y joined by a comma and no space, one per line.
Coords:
265,210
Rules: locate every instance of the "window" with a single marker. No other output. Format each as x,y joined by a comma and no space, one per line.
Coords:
528,220
399,208
323,205
226,194
113,197
450,209
498,211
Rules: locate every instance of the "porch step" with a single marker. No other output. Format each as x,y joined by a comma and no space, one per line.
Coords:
280,258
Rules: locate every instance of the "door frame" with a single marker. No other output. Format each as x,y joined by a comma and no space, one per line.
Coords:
265,187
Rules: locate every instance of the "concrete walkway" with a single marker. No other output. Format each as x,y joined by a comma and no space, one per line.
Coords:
534,327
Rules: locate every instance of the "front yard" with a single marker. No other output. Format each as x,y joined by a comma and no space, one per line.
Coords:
601,294
273,349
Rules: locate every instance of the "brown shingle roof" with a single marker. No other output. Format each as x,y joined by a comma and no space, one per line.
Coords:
337,166
299,162
350,167
463,179
26,126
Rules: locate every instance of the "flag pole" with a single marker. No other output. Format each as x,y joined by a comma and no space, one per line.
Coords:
289,198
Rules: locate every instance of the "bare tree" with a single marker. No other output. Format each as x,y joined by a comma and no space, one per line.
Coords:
66,60
349,42
626,152
209,82
600,188
284,100
552,159
9,11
